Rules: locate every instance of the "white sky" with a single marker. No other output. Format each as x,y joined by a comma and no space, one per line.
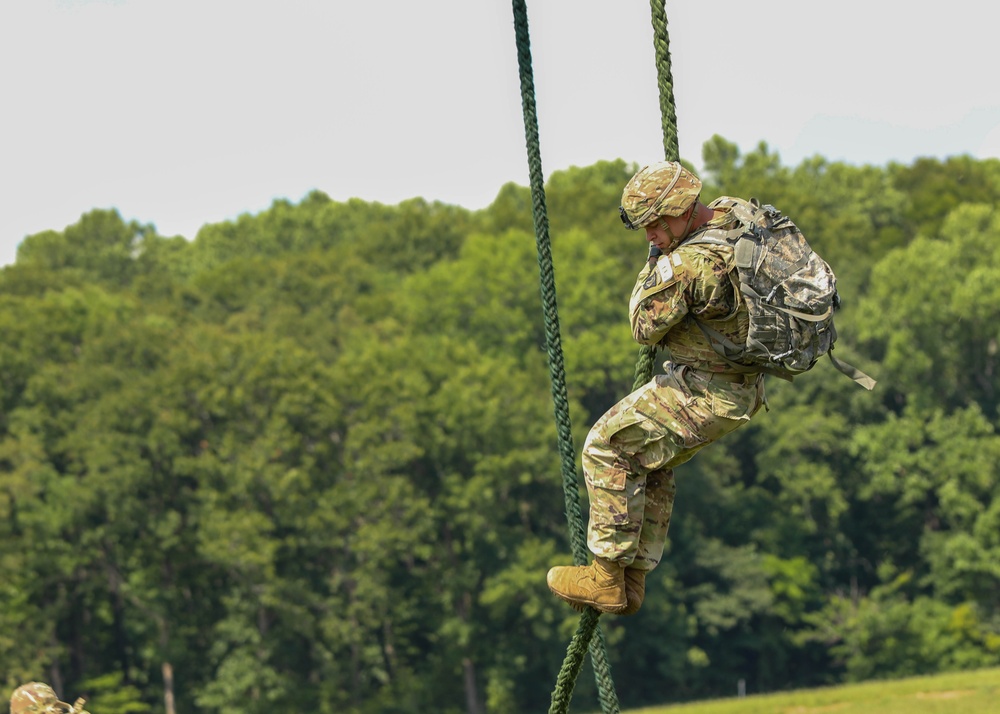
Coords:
185,112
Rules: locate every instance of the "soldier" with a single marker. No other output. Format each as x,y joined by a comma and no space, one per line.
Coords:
39,698
630,454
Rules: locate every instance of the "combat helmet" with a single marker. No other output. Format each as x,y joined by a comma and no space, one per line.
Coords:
40,698
662,189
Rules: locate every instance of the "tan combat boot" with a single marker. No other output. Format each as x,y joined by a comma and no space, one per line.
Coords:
635,590
600,585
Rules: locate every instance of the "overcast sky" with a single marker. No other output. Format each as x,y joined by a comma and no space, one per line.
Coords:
185,112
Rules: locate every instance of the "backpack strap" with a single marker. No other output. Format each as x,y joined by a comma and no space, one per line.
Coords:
808,317
727,351
716,236
853,372
745,236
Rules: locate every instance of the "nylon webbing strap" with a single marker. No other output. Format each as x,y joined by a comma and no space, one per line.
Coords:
853,372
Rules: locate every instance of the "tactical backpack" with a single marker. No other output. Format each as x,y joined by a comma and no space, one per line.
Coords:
790,293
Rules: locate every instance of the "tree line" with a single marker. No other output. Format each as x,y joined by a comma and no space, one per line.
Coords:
306,461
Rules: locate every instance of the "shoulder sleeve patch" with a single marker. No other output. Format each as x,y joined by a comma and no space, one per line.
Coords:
659,278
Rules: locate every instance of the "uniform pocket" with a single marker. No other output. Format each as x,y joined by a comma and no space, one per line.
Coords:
737,401
730,400
726,403
608,501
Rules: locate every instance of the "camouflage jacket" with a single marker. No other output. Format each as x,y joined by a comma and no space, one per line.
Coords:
692,282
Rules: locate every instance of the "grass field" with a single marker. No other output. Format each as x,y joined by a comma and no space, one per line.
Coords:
975,692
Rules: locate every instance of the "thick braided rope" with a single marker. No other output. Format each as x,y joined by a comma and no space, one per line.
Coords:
584,638
668,121
644,366
550,311
664,80
566,680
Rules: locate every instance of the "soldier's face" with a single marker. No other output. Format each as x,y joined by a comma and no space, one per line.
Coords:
657,235
665,231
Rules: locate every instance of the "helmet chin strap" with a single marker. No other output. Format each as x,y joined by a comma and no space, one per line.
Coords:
675,240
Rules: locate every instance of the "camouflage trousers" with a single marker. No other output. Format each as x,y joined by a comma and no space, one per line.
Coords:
630,455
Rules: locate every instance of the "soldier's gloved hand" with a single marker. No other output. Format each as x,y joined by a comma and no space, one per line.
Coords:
654,253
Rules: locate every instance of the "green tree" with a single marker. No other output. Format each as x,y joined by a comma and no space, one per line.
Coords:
101,247
942,348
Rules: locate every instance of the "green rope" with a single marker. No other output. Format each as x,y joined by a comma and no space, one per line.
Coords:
664,80
668,121
644,366
548,288
584,640
588,637
578,646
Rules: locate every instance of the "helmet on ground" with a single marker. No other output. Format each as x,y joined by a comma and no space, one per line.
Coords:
38,698
662,189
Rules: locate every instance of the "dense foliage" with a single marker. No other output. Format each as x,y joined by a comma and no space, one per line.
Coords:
306,461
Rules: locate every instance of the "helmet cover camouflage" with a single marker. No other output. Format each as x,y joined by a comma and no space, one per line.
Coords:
662,189
38,698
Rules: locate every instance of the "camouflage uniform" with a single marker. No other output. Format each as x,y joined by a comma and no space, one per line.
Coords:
39,698
630,453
